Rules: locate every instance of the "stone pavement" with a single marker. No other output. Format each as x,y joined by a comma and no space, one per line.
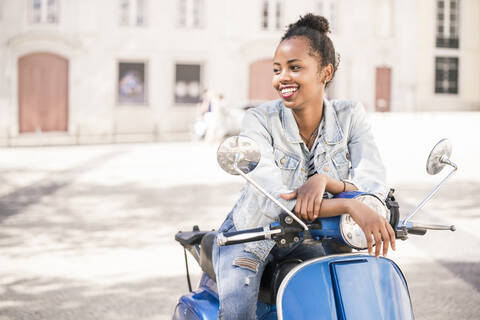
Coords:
87,232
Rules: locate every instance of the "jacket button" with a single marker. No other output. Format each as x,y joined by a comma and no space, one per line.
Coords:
348,156
325,168
283,160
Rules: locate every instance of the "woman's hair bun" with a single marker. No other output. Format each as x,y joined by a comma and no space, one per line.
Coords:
315,22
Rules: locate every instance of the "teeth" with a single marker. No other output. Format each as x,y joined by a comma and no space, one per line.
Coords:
288,90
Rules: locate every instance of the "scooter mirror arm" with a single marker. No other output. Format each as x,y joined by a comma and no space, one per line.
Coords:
278,203
445,160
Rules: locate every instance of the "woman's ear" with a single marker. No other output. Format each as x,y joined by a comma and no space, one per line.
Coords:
327,73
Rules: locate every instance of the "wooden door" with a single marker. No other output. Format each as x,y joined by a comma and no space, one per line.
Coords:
260,84
383,89
43,93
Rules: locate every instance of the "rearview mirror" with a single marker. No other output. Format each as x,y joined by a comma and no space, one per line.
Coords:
439,156
239,151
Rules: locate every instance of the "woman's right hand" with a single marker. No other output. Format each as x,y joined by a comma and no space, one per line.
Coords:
373,225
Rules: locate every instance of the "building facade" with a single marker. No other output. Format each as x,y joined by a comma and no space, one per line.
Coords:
134,70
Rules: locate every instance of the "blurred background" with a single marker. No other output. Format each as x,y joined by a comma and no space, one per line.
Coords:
111,112
135,70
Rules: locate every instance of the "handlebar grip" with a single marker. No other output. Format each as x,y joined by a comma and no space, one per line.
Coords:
235,237
417,231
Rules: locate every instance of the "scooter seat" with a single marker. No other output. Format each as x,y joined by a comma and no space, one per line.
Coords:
206,246
190,238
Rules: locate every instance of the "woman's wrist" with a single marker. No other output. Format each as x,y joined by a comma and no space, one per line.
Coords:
326,180
349,205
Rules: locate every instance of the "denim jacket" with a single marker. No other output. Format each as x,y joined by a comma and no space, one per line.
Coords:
346,151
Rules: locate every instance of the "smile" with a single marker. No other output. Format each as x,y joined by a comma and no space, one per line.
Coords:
287,92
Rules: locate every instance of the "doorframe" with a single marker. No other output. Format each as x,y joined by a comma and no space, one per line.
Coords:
67,88
25,44
389,102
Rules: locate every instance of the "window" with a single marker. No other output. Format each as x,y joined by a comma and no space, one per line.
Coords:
272,15
133,12
190,13
446,75
44,11
448,23
328,9
131,83
188,83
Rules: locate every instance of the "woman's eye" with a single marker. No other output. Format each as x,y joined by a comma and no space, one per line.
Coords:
295,68
276,71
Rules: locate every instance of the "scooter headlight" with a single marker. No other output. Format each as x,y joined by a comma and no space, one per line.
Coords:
351,232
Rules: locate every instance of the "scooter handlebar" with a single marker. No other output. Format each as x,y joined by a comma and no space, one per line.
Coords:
248,235
417,231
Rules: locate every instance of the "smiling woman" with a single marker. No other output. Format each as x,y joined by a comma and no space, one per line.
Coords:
311,149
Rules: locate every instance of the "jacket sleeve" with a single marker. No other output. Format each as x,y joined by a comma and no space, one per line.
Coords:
267,174
367,172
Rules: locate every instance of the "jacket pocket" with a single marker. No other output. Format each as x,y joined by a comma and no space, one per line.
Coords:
285,161
288,165
342,163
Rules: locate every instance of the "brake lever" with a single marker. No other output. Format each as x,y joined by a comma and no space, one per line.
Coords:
433,226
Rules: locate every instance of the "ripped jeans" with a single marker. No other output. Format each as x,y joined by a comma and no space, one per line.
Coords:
239,273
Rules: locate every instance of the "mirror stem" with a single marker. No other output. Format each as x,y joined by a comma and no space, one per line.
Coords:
278,203
445,160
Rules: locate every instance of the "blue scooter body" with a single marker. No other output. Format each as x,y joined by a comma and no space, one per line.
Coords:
202,303
346,287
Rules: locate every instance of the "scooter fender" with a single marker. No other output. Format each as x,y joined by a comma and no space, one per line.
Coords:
352,286
202,303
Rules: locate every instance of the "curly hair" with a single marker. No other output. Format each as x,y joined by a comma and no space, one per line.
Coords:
315,29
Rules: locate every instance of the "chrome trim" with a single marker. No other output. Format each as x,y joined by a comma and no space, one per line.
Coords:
221,239
269,233
342,218
292,272
432,226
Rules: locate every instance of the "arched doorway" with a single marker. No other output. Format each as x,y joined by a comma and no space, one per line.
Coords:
42,93
260,84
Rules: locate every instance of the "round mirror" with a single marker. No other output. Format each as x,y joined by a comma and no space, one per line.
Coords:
434,165
240,149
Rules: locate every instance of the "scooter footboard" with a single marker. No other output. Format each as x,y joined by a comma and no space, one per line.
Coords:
353,286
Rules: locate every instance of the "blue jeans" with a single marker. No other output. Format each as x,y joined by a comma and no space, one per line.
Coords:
239,273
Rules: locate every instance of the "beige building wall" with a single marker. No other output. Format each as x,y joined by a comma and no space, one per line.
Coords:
399,34
468,53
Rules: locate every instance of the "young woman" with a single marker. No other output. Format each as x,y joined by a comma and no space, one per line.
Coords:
311,149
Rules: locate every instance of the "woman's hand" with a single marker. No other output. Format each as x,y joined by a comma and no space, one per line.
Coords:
309,197
374,225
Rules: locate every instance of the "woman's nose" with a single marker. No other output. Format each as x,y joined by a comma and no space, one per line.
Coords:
284,75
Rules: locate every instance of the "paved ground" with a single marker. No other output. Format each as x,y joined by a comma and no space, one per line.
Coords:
87,232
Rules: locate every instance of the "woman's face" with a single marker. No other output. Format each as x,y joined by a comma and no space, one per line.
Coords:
296,74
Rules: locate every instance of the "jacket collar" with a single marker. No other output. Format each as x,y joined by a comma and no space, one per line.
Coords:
332,132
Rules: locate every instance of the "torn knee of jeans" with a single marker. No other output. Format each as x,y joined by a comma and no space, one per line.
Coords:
247,263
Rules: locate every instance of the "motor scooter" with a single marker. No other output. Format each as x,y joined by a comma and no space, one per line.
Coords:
341,286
